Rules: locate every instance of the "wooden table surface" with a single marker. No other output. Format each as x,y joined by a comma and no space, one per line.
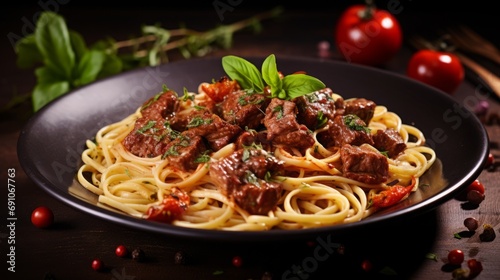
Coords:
66,250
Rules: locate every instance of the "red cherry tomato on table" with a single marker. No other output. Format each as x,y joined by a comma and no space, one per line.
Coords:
476,185
42,217
436,68
367,35
456,257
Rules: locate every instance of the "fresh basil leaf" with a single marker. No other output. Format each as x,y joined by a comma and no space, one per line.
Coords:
244,72
301,84
46,75
89,67
270,73
279,93
46,92
112,65
77,44
27,51
52,38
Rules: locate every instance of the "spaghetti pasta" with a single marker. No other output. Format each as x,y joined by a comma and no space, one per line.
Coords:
314,189
317,196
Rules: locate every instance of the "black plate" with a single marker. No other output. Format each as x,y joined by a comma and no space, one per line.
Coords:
50,144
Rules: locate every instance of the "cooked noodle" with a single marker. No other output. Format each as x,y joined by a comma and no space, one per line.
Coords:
316,195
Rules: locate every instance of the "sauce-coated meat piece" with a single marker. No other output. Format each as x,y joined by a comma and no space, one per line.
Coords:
363,164
389,141
213,128
244,108
315,108
348,129
184,151
149,137
282,126
361,107
242,177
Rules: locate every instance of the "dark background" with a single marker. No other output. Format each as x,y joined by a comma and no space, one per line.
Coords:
79,237
416,16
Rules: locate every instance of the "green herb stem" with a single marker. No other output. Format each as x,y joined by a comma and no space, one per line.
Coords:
192,35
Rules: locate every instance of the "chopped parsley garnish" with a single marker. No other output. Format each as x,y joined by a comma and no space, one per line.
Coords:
251,178
146,127
352,122
183,141
155,98
249,97
197,121
246,155
321,118
246,152
311,97
172,134
385,153
268,176
203,158
172,151
187,96
279,110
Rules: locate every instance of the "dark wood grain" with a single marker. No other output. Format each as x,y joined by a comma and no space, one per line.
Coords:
66,250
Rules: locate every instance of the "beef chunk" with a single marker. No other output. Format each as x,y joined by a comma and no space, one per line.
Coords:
282,126
244,108
364,165
349,129
258,199
361,107
210,126
241,177
184,151
248,138
150,136
389,140
314,109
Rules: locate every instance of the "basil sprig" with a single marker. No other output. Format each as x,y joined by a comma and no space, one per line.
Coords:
287,88
62,59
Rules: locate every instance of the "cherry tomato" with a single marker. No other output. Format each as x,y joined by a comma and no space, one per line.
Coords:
219,89
42,217
172,207
367,265
476,186
456,257
237,261
440,69
121,251
367,35
97,265
475,267
491,160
